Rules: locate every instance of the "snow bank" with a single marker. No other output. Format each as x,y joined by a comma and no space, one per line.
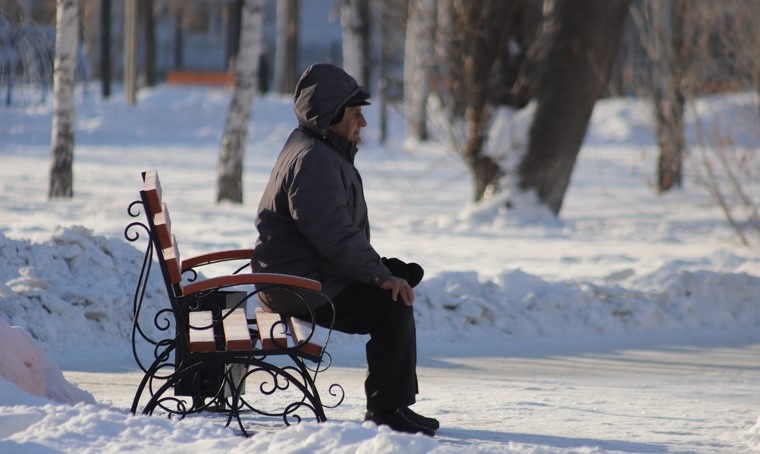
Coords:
73,291
76,290
29,368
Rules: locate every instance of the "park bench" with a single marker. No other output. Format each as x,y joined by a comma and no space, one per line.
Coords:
205,344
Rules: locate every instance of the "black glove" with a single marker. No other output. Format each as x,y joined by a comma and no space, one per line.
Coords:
411,272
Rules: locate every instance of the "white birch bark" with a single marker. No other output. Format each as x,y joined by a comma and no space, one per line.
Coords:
286,46
420,39
64,106
350,21
230,183
355,24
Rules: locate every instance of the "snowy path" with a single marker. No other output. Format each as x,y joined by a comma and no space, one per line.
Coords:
608,394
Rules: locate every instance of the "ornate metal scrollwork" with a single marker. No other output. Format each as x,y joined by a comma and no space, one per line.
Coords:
178,382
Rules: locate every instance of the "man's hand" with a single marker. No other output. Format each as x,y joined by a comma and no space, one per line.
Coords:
399,286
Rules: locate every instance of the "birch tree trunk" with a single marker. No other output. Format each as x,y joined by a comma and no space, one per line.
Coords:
418,66
64,106
286,46
354,20
230,183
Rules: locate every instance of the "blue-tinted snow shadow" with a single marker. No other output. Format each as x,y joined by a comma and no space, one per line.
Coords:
11,447
468,437
544,347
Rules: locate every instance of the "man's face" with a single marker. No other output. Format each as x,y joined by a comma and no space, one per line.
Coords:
349,127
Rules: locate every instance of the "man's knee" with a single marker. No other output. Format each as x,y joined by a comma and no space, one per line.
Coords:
397,319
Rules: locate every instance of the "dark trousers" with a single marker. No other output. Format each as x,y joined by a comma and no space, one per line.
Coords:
392,348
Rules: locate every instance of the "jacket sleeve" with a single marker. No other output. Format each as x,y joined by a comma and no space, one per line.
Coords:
318,202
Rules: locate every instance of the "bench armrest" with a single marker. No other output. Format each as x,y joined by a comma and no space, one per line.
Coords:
217,257
220,282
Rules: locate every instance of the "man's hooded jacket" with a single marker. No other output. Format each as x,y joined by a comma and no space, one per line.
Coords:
312,219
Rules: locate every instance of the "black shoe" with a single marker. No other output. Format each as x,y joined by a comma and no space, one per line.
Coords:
424,421
397,421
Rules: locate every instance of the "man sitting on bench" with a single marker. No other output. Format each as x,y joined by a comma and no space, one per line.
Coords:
312,222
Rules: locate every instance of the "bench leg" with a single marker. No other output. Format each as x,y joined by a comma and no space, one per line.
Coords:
151,373
273,379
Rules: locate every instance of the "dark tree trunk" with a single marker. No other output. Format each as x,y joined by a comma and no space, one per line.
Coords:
131,21
668,93
578,64
179,39
482,51
105,47
149,30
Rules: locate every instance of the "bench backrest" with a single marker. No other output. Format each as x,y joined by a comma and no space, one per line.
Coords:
152,189
164,241
186,299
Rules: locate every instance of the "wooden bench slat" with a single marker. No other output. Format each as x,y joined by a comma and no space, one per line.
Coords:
301,329
252,278
172,260
163,224
216,257
153,191
201,340
236,334
272,337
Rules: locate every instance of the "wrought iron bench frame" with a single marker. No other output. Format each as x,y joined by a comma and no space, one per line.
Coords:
210,375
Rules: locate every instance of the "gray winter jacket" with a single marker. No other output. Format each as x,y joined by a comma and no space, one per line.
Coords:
312,219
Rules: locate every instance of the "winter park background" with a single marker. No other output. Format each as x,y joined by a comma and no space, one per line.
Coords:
628,325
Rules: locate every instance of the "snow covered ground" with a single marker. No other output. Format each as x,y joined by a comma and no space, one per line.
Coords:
629,325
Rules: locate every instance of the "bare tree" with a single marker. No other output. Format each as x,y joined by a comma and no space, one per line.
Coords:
661,25
355,23
230,183
105,47
149,43
286,46
669,94
418,65
131,16
26,52
557,53
234,12
387,41
576,69
64,105
484,46
477,37
724,44
179,37
481,63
